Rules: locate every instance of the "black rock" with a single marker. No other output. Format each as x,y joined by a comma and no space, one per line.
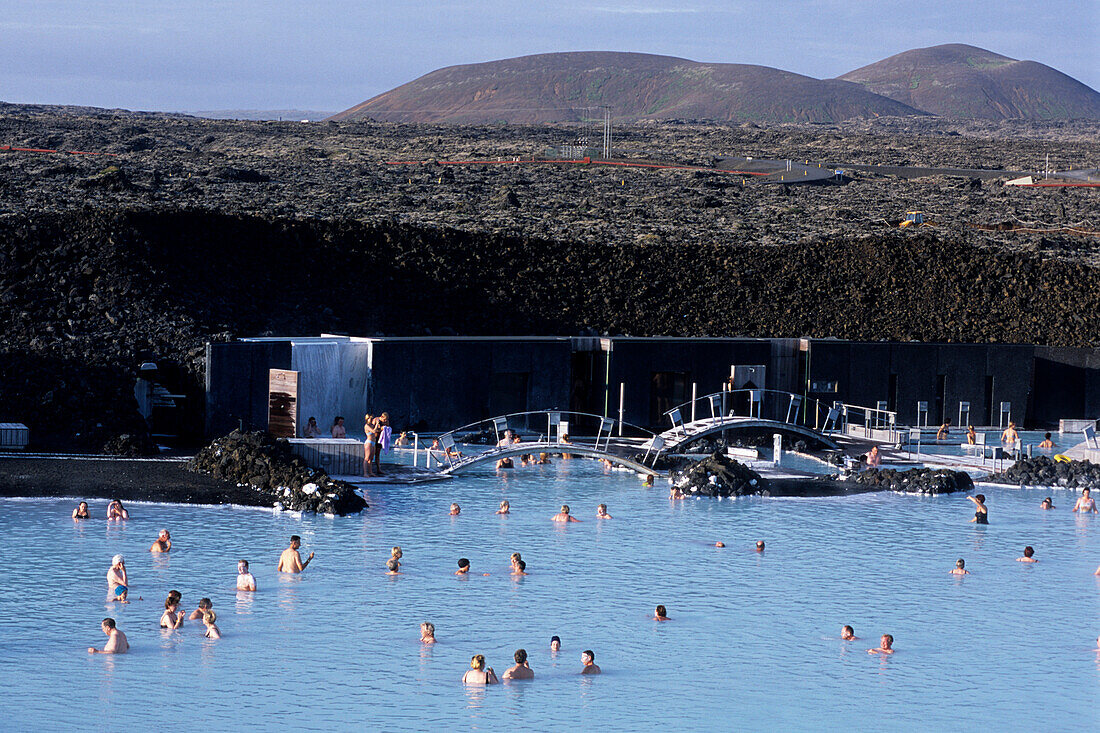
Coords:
1043,471
914,481
264,463
717,475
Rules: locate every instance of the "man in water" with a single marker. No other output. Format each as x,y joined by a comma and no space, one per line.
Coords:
245,579
874,458
1086,503
116,640
588,658
519,568
205,604
1028,552
960,568
290,561
848,634
522,671
885,645
1047,503
163,543
455,510
942,433
601,512
660,614
463,567
563,515
555,641
506,440
760,545
393,566
1047,442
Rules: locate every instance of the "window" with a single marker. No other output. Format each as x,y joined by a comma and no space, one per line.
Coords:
666,390
825,386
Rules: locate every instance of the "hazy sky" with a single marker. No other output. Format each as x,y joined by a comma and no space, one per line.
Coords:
332,54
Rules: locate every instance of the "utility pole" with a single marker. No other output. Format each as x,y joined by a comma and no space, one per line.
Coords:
606,131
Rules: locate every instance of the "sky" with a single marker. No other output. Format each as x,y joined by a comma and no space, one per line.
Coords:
328,55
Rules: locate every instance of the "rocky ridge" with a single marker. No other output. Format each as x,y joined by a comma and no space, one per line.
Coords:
1043,471
914,481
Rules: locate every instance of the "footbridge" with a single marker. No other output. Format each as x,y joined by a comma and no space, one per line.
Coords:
544,431
742,409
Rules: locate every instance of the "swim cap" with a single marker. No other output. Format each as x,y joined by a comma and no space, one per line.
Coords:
119,590
116,560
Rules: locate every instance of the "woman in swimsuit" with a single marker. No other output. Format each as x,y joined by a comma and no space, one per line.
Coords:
172,618
81,512
479,674
381,440
116,511
981,513
370,444
1086,503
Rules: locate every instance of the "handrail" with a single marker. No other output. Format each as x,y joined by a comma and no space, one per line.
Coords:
490,421
801,404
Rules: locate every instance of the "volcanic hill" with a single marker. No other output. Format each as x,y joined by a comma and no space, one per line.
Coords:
963,81
555,87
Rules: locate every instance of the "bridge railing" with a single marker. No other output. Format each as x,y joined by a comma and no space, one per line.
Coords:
540,426
765,404
876,423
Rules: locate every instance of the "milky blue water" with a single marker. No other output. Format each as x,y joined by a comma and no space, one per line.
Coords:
752,644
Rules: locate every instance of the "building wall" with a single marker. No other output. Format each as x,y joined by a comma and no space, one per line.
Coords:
445,383
236,383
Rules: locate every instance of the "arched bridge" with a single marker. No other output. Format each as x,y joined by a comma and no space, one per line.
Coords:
544,431
774,410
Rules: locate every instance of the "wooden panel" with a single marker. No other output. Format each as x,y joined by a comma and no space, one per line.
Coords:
282,403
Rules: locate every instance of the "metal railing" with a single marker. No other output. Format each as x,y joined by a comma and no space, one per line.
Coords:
763,404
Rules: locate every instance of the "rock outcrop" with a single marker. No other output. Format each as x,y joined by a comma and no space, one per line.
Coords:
266,465
1043,471
717,475
914,481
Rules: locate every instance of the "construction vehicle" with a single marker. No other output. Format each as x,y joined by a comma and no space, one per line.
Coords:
912,219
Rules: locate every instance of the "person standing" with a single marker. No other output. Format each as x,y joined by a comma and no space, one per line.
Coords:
981,512
1085,503
116,640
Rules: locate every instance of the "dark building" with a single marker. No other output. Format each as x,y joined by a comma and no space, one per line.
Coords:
439,383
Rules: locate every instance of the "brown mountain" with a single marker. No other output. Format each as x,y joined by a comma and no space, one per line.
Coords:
964,81
557,86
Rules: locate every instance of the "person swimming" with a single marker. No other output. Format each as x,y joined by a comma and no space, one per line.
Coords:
563,515
588,659
981,512
173,616
522,671
463,566
393,566
675,492
661,614
505,507
163,542
1085,503
555,642
81,511
505,462
760,545
245,579
886,645
205,604
520,568
479,674
116,640
601,512
115,510
427,633
118,583
944,430
1029,551
719,543
543,458
291,560
1047,442
1047,503
960,568
515,560
847,633
208,619
455,510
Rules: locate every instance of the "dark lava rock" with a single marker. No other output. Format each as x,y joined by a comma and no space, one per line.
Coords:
266,465
131,445
717,475
242,175
914,481
1043,471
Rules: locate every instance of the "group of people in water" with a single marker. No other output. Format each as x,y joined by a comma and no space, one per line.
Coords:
378,438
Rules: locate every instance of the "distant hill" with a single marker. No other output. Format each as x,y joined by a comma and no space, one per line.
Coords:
294,115
553,87
964,81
